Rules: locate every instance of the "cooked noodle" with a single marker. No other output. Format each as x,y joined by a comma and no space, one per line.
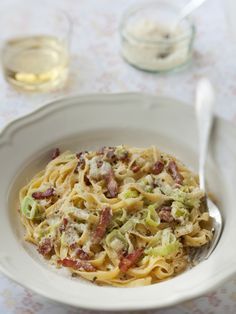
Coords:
121,216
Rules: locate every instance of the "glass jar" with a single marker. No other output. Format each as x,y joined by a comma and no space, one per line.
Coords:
151,41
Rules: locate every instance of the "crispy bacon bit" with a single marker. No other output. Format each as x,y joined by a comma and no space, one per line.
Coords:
67,262
64,224
174,172
73,245
158,167
45,247
81,254
99,163
135,168
166,208
55,153
42,195
165,214
87,181
81,163
87,266
112,185
77,265
110,155
104,220
78,155
129,260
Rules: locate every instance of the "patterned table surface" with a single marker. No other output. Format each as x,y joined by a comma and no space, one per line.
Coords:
96,66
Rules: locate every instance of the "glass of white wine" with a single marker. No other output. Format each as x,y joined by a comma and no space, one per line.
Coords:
35,44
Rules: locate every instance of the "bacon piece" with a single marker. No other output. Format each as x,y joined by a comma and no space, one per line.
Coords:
42,195
110,155
67,262
99,163
135,168
78,155
46,247
129,260
73,245
81,162
87,266
64,224
104,220
77,265
112,185
165,214
80,165
87,181
55,153
158,167
174,172
81,254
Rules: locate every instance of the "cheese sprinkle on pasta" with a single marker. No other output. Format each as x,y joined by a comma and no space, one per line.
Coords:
121,216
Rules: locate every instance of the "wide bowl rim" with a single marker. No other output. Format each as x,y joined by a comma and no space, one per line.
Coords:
5,136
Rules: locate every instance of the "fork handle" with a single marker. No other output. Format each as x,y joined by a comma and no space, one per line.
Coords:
189,8
204,114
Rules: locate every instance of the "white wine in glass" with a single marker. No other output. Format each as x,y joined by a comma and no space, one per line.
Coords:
35,63
35,45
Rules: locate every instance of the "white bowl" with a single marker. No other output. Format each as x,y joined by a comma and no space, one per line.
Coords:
88,122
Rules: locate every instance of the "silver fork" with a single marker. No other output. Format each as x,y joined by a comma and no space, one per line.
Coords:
205,115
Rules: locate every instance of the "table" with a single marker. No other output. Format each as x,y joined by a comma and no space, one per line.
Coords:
96,66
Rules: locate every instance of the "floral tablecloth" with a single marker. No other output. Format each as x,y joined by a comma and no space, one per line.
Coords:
96,66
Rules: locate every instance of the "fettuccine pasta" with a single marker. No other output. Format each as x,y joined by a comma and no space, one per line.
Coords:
121,216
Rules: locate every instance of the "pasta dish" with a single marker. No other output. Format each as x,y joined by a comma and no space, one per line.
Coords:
121,216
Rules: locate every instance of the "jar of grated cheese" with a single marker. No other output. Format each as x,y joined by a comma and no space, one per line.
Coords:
150,40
